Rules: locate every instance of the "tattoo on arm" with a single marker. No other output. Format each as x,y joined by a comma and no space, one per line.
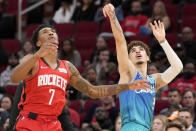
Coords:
84,86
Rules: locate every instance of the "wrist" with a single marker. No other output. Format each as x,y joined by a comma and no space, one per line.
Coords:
162,41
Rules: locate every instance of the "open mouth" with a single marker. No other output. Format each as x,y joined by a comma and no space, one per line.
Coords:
138,56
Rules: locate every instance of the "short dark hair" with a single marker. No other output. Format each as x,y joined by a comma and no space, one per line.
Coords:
171,124
35,35
173,89
102,49
185,109
190,60
189,90
182,121
139,43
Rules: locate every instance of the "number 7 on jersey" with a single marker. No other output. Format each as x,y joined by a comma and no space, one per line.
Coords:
52,91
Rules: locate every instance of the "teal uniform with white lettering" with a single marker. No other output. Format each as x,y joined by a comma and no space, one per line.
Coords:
137,106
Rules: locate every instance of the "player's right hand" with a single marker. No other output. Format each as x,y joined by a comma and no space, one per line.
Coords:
45,49
139,84
109,11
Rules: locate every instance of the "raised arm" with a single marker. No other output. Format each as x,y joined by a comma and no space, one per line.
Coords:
78,82
175,62
28,64
124,63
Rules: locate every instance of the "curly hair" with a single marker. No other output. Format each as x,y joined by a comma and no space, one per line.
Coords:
139,43
35,35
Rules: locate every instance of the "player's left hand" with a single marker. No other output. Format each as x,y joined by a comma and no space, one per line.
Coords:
158,30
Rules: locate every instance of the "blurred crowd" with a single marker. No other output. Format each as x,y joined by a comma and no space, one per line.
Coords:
100,67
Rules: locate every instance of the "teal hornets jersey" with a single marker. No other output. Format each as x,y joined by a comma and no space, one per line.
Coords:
137,106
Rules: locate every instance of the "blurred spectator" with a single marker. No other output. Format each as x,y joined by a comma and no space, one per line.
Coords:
102,120
74,116
188,80
91,75
188,99
132,23
159,13
101,42
159,123
13,61
152,69
6,103
117,125
2,7
181,52
3,58
174,98
109,104
103,66
6,124
67,52
161,61
85,12
188,42
27,48
38,12
65,12
99,14
6,106
182,122
173,127
188,117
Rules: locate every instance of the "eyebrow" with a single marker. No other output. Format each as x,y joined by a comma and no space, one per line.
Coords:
45,29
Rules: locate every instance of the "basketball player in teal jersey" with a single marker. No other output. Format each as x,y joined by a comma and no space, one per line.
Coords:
137,106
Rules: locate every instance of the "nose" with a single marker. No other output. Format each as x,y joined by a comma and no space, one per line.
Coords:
51,33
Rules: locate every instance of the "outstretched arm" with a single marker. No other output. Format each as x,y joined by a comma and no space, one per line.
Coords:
175,62
78,82
125,65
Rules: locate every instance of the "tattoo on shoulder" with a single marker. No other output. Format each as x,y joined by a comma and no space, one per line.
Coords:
73,70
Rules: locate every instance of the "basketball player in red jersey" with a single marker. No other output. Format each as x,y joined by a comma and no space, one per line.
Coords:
46,79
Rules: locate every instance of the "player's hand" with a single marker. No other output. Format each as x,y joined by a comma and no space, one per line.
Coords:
139,84
46,48
158,30
109,11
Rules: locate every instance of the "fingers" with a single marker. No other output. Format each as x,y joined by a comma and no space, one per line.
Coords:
156,25
152,26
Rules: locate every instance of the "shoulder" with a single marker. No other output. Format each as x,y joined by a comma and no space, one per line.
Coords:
73,70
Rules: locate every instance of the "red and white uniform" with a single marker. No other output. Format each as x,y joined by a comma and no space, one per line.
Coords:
45,91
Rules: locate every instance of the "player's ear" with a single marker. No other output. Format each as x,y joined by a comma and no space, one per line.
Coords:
38,43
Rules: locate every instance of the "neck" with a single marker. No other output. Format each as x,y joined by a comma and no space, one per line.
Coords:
142,68
50,58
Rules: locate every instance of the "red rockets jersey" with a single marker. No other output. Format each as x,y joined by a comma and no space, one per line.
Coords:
44,93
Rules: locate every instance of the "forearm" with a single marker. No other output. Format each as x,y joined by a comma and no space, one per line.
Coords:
106,90
117,30
22,70
174,60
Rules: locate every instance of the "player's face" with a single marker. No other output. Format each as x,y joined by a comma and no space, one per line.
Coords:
48,35
138,55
